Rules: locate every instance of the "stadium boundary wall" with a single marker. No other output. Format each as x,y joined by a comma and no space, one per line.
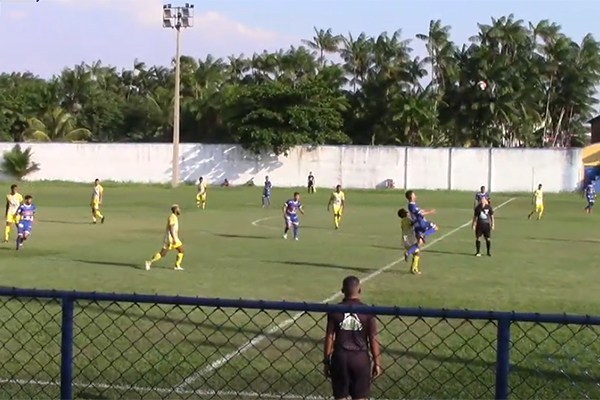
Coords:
361,167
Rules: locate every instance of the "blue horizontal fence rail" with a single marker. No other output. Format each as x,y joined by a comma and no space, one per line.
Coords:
56,344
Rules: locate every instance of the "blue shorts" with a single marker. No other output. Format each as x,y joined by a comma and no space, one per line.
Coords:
591,202
292,220
267,195
24,227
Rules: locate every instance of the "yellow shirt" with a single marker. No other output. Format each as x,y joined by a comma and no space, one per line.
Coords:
97,193
202,188
173,222
14,201
407,227
539,196
337,198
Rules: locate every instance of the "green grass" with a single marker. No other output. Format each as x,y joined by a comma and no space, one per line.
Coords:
545,266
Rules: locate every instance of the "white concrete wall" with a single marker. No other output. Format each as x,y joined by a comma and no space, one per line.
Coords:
353,166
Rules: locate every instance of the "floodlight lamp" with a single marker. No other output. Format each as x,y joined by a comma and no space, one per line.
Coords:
167,23
167,13
186,22
185,12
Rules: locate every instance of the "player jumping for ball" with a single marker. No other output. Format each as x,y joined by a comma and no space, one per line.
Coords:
409,239
422,227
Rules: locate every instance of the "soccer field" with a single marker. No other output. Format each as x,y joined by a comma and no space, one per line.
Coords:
234,249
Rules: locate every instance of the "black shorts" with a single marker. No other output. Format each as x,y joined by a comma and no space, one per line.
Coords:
484,230
351,374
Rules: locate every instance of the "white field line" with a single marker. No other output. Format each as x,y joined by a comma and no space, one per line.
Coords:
163,391
286,323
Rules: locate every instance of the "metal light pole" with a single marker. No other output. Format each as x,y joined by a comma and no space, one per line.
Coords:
177,18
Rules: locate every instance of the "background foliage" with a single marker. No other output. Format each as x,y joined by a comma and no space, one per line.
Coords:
540,92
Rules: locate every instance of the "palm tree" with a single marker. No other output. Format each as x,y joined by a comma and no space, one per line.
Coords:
324,42
56,125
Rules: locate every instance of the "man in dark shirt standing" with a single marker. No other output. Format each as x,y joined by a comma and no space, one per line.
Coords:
483,224
311,183
348,339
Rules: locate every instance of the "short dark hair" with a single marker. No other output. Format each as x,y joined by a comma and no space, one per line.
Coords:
350,285
408,194
13,186
296,194
28,197
402,213
482,188
338,186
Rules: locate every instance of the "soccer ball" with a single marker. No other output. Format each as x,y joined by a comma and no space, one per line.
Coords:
482,85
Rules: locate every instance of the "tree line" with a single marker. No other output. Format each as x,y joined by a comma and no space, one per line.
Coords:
515,84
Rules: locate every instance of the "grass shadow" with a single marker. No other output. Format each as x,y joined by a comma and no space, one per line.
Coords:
452,253
50,221
387,247
110,263
230,236
546,239
324,265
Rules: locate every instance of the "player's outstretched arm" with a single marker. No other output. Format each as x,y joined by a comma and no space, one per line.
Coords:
7,208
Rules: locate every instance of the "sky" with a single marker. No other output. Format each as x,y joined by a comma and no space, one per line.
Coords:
46,36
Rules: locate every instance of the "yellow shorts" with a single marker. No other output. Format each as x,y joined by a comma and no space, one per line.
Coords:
172,245
12,219
201,197
95,205
337,210
539,207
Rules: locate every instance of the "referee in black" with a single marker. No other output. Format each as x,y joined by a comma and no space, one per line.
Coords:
348,339
483,224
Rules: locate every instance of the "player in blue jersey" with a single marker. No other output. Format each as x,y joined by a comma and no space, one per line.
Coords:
421,225
590,196
291,208
266,196
26,214
482,194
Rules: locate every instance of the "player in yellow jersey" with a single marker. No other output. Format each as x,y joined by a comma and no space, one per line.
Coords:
538,203
409,239
172,241
338,202
201,195
13,201
97,198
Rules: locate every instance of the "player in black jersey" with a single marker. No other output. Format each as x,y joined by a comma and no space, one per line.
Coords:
483,224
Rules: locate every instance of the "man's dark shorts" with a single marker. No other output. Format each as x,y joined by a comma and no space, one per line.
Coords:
351,374
484,230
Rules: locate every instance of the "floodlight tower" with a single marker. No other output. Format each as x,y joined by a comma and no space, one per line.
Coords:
177,18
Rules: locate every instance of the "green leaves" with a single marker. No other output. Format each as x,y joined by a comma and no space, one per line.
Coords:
274,117
541,90
18,163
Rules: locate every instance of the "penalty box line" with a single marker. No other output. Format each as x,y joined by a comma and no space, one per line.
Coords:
215,365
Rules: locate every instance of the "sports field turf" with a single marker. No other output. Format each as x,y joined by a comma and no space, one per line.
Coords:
234,249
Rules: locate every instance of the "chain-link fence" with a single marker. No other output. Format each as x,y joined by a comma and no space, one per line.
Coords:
92,346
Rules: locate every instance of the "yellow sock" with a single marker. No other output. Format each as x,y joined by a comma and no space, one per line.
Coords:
415,262
179,260
156,257
6,233
203,206
99,214
336,221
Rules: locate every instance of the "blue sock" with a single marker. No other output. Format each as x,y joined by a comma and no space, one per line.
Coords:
413,249
295,231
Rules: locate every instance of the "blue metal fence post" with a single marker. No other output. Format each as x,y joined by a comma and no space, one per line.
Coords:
502,358
66,349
